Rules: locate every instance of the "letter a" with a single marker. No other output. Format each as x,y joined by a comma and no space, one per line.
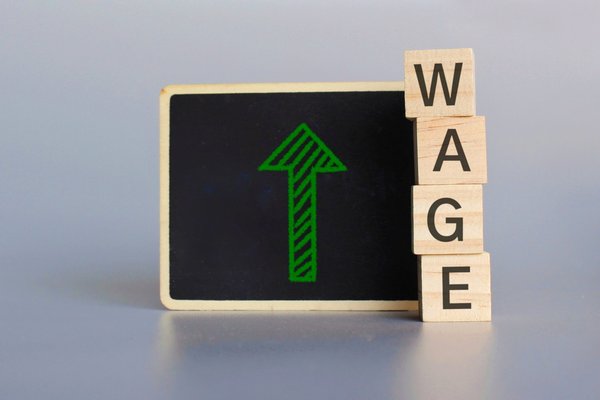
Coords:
443,155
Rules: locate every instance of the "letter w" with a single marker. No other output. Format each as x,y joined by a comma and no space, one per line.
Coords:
438,70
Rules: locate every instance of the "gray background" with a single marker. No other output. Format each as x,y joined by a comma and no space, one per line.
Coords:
80,315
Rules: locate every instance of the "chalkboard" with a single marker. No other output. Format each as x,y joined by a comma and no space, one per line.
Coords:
286,196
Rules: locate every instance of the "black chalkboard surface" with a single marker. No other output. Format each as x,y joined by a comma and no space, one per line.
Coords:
286,196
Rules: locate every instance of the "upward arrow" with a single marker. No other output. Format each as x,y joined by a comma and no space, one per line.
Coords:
302,155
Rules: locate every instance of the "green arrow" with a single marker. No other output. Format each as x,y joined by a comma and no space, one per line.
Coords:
302,155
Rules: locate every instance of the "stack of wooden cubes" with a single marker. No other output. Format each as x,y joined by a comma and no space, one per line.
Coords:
451,168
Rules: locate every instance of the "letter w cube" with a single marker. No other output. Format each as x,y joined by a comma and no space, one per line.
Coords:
439,83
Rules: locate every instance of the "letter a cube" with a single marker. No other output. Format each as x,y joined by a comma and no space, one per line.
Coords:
450,150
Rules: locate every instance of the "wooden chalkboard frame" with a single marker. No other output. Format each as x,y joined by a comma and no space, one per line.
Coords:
258,305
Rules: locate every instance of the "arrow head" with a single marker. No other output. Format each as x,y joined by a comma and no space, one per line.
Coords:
300,148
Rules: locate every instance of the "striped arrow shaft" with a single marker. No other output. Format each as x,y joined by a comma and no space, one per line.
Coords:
302,226
302,214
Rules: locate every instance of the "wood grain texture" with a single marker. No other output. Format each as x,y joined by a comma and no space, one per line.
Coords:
451,208
423,62
472,288
463,136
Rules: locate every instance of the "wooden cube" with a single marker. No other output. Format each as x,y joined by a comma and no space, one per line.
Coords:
450,150
455,288
447,219
439,83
